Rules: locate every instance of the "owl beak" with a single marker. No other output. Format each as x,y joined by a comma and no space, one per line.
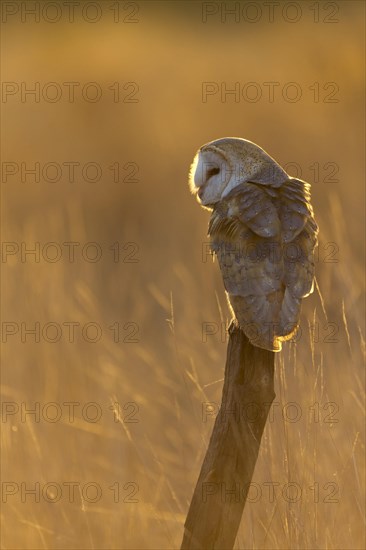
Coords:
200,192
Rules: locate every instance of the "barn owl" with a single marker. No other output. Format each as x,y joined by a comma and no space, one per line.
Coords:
263,232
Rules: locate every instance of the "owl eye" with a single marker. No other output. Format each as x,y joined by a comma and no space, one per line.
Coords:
212,172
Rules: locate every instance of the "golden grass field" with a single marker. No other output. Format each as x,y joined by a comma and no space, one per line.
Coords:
139,460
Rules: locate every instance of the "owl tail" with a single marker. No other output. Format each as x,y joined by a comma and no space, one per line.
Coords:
258,319
267,323
289,316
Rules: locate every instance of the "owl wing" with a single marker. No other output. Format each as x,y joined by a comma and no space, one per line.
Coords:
257,210
245,234
299,236
252,272
264,240
294,208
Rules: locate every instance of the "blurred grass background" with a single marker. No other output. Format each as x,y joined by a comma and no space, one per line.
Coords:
170,292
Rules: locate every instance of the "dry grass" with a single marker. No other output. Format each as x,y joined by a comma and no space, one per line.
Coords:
170,291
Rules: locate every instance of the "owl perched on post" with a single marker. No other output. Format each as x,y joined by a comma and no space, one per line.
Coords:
262,230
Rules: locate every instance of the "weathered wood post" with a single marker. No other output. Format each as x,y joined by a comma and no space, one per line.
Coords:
218,501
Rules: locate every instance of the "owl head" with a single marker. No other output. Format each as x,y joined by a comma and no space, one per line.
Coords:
224,164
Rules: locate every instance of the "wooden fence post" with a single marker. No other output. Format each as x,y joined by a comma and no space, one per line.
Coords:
218,501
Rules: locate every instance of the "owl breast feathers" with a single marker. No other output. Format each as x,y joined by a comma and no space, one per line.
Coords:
263,232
